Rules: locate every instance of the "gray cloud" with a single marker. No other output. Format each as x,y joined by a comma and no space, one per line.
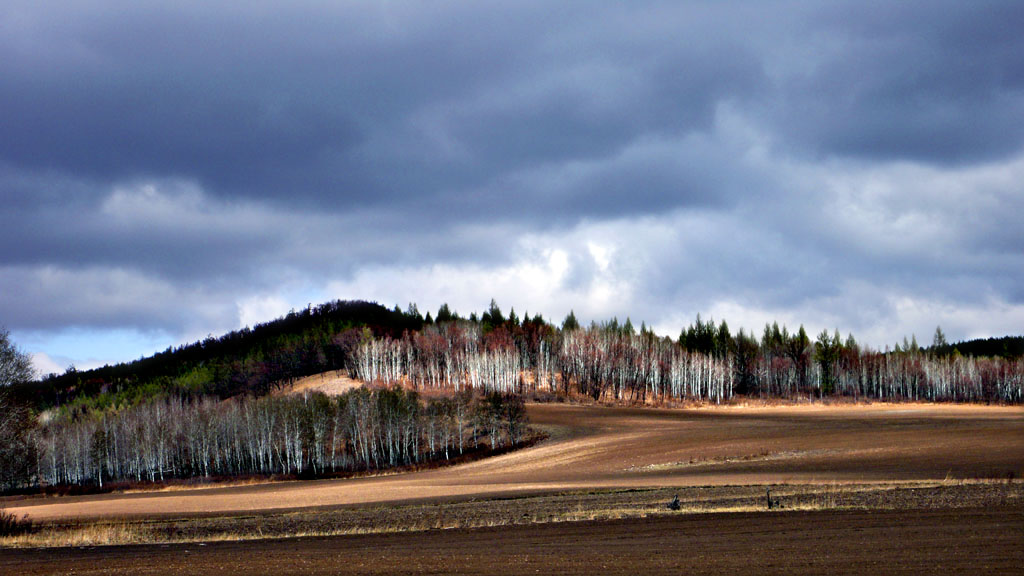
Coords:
765,159
932,82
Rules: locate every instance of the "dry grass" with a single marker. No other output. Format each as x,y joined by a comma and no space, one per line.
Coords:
99,534
12,525
536,509
331,383
763,456
197,485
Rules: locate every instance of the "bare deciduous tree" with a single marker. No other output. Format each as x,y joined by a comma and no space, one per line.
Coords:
15,365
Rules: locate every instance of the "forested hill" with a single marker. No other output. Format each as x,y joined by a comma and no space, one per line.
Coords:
409,346
249,360
1008,347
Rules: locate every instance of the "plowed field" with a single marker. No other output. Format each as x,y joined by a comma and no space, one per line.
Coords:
919,542
893,489
598,447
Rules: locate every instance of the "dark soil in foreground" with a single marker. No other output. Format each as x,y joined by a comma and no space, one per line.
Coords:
948,541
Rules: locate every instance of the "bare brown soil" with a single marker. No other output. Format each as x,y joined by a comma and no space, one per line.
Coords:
612,448
865,489
971,541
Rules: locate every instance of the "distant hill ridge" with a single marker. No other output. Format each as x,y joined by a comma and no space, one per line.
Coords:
1005,347
304,342
301,343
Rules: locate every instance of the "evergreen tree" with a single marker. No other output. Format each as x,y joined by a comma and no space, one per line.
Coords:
493,317
513,320
826,352
444,314
723,341
570,323
939,343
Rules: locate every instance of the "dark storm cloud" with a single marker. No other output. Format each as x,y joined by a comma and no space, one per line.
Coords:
169,234
346,105
318,106
934,81
198,152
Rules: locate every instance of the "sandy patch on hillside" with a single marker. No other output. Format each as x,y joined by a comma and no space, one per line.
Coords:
331,383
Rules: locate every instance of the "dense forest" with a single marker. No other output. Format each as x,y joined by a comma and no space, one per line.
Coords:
205,409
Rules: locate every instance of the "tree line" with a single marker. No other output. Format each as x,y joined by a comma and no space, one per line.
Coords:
707,363
308,435
493,350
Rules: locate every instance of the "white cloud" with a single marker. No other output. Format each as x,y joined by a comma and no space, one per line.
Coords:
44,365
918,210
256,309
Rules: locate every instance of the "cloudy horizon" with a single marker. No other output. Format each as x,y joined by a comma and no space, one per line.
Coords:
174,171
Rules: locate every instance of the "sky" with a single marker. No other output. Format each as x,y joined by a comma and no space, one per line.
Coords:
174,170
